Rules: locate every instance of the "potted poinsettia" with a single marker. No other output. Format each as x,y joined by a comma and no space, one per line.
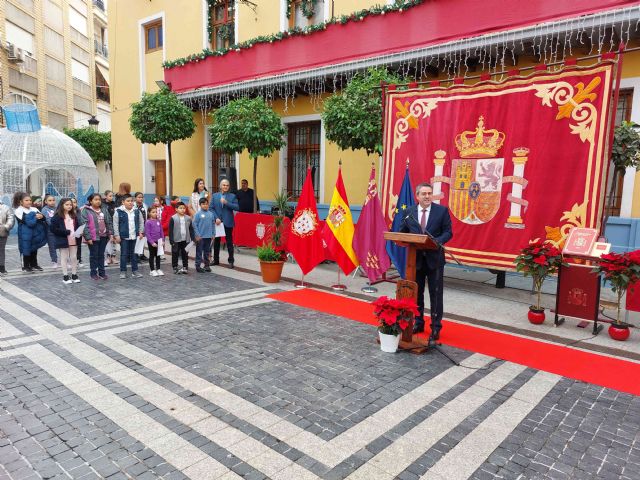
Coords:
272,253
538,260
393,316
620,270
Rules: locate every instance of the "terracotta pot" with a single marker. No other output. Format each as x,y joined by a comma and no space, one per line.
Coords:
536,316
619,332
271,271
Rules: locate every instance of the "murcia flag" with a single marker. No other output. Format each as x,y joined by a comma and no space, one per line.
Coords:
338,231
368,241
305,238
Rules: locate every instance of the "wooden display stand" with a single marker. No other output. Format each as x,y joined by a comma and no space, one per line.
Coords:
408,288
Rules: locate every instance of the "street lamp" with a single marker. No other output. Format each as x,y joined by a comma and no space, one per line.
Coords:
93,122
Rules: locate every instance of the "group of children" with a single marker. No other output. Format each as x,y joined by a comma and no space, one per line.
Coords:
104,223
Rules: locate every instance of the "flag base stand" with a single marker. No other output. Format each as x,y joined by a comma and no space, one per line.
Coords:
301,283
338,287
368,288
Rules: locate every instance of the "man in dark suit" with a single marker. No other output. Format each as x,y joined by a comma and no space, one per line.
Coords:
245,197
224,203
433,219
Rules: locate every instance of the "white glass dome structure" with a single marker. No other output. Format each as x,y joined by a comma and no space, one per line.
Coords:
45,161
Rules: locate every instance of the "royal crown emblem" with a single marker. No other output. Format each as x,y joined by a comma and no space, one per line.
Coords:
480,143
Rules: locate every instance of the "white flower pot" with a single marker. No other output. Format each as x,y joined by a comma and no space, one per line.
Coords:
389,343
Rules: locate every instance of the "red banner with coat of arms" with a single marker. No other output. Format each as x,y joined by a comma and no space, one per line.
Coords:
514,160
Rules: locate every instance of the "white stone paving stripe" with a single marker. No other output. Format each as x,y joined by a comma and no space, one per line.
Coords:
161,307
14,342
181,454
59,314
407,449
468,455
330,453
8,330
180,313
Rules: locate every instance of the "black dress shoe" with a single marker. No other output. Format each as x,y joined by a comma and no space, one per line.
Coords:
215,262
418,328
435,335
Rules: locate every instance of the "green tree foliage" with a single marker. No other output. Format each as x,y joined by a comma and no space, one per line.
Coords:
97,144
161,118
626,146
247,124
353,117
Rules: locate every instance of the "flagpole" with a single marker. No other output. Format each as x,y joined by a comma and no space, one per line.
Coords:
300,284
339,287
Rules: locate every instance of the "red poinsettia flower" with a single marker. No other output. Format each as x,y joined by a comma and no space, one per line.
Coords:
541,260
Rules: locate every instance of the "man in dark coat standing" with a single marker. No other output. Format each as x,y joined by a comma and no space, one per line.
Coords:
429,218
245,198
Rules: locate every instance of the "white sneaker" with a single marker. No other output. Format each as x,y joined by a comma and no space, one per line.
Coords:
136,274
153,273
123,275
160,273
54,265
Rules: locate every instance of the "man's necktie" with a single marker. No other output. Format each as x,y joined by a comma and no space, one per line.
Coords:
423,220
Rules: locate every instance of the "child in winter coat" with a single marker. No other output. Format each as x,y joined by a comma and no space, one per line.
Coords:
49,210
64,225
98,231
155,237
32,231
204,227
180,234
127,227
6,224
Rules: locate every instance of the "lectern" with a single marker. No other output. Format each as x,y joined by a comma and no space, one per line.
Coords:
408,288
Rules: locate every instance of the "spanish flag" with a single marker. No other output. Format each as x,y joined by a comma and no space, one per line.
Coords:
338,230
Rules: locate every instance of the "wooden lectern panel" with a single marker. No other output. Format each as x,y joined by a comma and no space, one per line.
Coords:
420,242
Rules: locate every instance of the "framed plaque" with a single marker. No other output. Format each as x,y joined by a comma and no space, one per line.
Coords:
578,294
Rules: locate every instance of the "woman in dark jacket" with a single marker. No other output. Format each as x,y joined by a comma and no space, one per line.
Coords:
64,225
32,230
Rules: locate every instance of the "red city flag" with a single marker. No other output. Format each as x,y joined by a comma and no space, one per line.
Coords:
305,238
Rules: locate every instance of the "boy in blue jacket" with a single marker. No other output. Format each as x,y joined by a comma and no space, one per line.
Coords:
203,226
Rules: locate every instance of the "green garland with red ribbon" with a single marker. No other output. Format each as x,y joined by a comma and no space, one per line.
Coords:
358,16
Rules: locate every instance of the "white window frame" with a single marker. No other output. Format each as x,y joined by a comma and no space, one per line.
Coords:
282,176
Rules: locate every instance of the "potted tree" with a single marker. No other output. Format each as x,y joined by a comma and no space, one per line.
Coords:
625,153
272,254
538,260
247,124
620,270
393,317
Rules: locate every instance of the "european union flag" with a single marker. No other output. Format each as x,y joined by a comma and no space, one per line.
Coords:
398,254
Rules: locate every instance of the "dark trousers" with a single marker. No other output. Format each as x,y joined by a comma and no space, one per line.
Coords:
53,252
154,258
203,252
228,235
127,248
3,243
30,261
79,254
179,249
96,255
435,280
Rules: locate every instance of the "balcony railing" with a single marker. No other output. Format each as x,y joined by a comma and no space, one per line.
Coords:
100,5
101,49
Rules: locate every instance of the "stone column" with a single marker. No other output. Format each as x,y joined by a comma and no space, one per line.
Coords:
519,161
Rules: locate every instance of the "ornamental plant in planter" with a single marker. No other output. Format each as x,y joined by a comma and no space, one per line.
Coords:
393,316
272,254
620,270
538,260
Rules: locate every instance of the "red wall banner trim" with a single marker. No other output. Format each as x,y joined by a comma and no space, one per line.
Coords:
431,23
513,161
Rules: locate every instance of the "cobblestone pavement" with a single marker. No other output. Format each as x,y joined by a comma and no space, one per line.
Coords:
204,376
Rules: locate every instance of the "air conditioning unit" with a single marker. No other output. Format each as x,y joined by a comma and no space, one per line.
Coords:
20,54
11,52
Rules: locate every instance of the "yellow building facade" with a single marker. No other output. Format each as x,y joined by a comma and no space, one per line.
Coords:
189,26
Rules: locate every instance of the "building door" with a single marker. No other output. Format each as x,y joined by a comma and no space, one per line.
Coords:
223,166
161,177
613,201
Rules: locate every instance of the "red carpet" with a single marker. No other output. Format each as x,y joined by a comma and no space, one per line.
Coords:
566,361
